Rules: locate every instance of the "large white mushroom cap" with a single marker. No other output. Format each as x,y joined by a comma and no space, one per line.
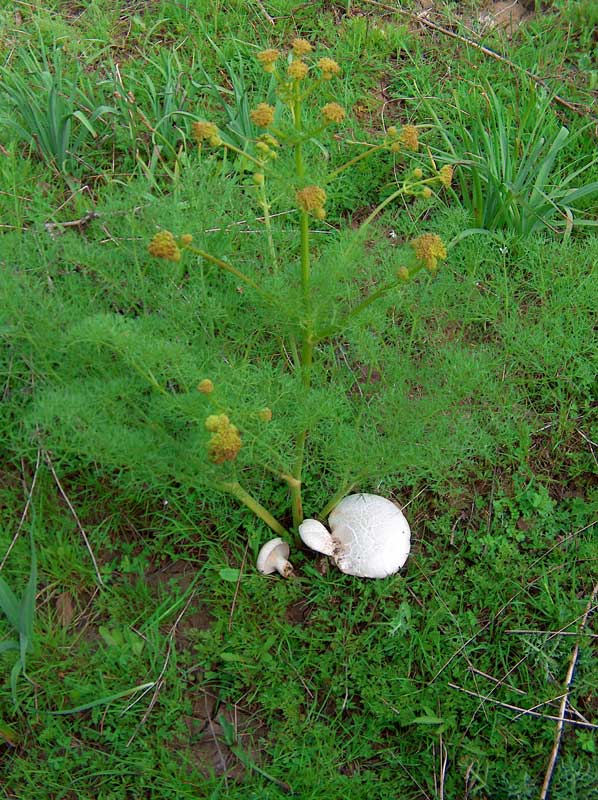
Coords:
369,536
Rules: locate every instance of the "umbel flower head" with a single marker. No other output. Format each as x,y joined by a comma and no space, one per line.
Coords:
262,115
333,112
329,68
297,70
225,441
268,59
312,199
409,138
445,176
301,47
429,249
206,386
164,245
206,131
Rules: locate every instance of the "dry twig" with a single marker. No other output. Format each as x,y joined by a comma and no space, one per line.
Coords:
234,602
25,511
521,711
563,707
159,682
76,518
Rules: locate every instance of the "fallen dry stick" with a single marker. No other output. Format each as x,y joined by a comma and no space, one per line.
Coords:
563,708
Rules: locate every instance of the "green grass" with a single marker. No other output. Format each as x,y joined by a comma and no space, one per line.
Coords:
179,671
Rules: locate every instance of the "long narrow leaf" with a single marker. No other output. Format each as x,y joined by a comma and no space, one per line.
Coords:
9,604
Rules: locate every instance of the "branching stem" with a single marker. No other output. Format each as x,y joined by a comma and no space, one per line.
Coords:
235,488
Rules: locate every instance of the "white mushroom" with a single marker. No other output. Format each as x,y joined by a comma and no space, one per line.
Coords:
369,536
273,558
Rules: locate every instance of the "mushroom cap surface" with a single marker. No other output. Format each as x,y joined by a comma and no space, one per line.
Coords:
371,536
271,554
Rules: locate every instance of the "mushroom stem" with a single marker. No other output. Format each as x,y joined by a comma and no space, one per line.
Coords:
284,567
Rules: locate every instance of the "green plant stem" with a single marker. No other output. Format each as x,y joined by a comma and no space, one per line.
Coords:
334,329
381,206
229,268
307,345
235,488
243,154
373,149
265,206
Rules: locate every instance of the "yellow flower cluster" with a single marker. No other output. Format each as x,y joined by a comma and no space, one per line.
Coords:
164,245
333,112
297,69
225,442
206,131
268,59
429,249
312,199
262,115
329,68
206,386
445,176
301,47
408,138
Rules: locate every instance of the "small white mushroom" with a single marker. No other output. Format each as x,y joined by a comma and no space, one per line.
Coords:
369,536
273,558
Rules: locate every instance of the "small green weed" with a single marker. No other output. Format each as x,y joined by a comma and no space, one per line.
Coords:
20,614
51,112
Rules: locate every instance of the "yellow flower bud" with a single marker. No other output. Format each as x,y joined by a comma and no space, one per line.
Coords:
418,173
392,132
186,239
258,178
265,414
262,115
403,274
427,192
215,421
163,245
205,387
270,140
